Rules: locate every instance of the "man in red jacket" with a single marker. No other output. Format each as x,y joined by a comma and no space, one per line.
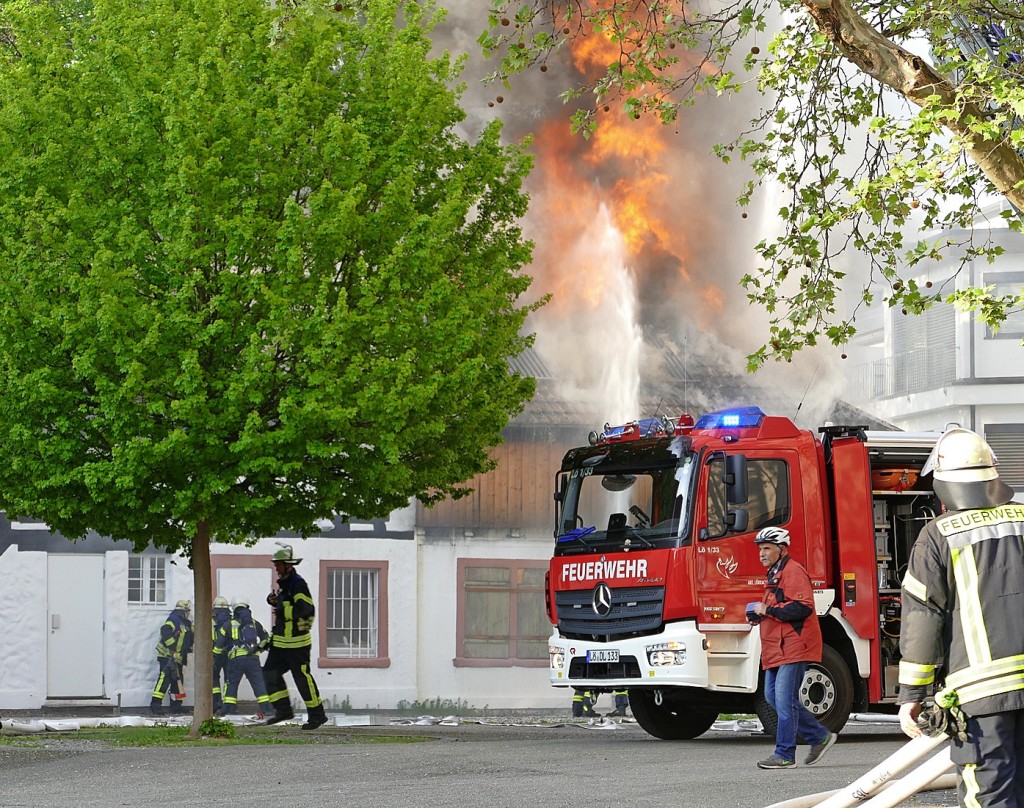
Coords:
790,638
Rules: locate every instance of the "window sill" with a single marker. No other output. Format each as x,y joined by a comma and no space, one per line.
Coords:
465,662
339,662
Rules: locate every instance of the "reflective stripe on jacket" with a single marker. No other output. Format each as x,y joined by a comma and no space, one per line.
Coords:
221,630
963,600
790,631
175,637
293,614
247,636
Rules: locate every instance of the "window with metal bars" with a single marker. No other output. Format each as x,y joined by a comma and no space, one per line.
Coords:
147,579
353,612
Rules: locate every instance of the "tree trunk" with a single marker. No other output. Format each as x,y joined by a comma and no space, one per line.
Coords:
912,77
203,652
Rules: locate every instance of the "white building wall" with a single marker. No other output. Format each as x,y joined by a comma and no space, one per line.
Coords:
23,616
999,355
131,631
422,608
439,678
989,381
360,687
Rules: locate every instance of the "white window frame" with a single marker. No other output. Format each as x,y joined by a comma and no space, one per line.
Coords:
1006,283
150,572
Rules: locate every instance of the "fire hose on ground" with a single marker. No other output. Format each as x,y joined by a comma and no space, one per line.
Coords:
878,789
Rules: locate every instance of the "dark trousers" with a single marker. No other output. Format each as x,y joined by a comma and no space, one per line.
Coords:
167,681
296,662
249,667
991,761
220,678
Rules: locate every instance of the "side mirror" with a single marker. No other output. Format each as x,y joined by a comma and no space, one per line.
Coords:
737,520
736,478
559,496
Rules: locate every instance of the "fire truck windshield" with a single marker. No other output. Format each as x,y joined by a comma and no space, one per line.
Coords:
607,506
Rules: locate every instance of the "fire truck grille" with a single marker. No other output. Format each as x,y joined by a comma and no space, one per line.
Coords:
636,610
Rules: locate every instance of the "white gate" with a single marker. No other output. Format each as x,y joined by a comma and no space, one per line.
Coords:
74,648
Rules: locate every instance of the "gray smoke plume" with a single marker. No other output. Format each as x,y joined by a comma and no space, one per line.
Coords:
641,245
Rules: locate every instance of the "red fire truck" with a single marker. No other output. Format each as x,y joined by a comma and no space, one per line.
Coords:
654,561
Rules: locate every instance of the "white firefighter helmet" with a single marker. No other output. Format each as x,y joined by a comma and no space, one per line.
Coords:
962,456
184,605
242,604
772,535
221,602
285,553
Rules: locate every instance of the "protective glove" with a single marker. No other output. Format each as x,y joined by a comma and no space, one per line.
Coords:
950,720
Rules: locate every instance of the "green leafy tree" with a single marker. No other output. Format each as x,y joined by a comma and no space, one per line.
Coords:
877,119
250,275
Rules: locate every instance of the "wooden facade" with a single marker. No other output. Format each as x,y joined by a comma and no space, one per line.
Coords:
517,495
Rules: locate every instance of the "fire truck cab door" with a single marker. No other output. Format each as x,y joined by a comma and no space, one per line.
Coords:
727,568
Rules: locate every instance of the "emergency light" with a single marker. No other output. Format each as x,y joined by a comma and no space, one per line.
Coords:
643,428
736,418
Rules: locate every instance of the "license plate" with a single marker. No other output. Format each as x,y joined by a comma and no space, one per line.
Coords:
603,655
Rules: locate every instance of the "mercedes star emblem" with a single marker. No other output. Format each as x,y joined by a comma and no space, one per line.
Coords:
602,602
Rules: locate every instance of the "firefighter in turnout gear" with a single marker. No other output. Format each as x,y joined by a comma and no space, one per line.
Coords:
583,703
246,639
290,643
221,630
171,657
963,601
621,698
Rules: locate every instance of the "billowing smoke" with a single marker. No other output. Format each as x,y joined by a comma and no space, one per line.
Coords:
641,245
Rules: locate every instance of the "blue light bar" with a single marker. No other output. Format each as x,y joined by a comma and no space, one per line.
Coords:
737,418
577,533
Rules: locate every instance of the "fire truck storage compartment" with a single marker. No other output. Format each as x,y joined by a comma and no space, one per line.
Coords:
898,518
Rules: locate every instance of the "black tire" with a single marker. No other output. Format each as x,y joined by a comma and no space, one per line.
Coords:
827,691
672,720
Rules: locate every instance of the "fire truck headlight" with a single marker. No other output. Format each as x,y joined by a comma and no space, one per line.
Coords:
666,653
556,658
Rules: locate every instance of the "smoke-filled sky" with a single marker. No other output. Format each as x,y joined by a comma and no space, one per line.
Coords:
636,231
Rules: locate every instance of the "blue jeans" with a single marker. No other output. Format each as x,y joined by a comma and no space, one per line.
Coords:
782,689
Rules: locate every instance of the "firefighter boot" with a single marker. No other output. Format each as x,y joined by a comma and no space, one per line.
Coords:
316,718
156,706
281,715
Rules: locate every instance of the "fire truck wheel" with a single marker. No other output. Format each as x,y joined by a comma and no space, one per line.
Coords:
670,721
827,691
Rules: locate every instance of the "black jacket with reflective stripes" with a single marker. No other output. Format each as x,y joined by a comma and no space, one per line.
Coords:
963,610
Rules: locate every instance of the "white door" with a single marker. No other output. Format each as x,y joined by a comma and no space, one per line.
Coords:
252,584
74,648
249,583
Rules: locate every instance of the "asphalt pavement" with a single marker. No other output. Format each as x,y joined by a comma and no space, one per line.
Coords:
499,763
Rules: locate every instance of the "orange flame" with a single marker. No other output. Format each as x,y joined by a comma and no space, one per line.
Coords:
635,168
